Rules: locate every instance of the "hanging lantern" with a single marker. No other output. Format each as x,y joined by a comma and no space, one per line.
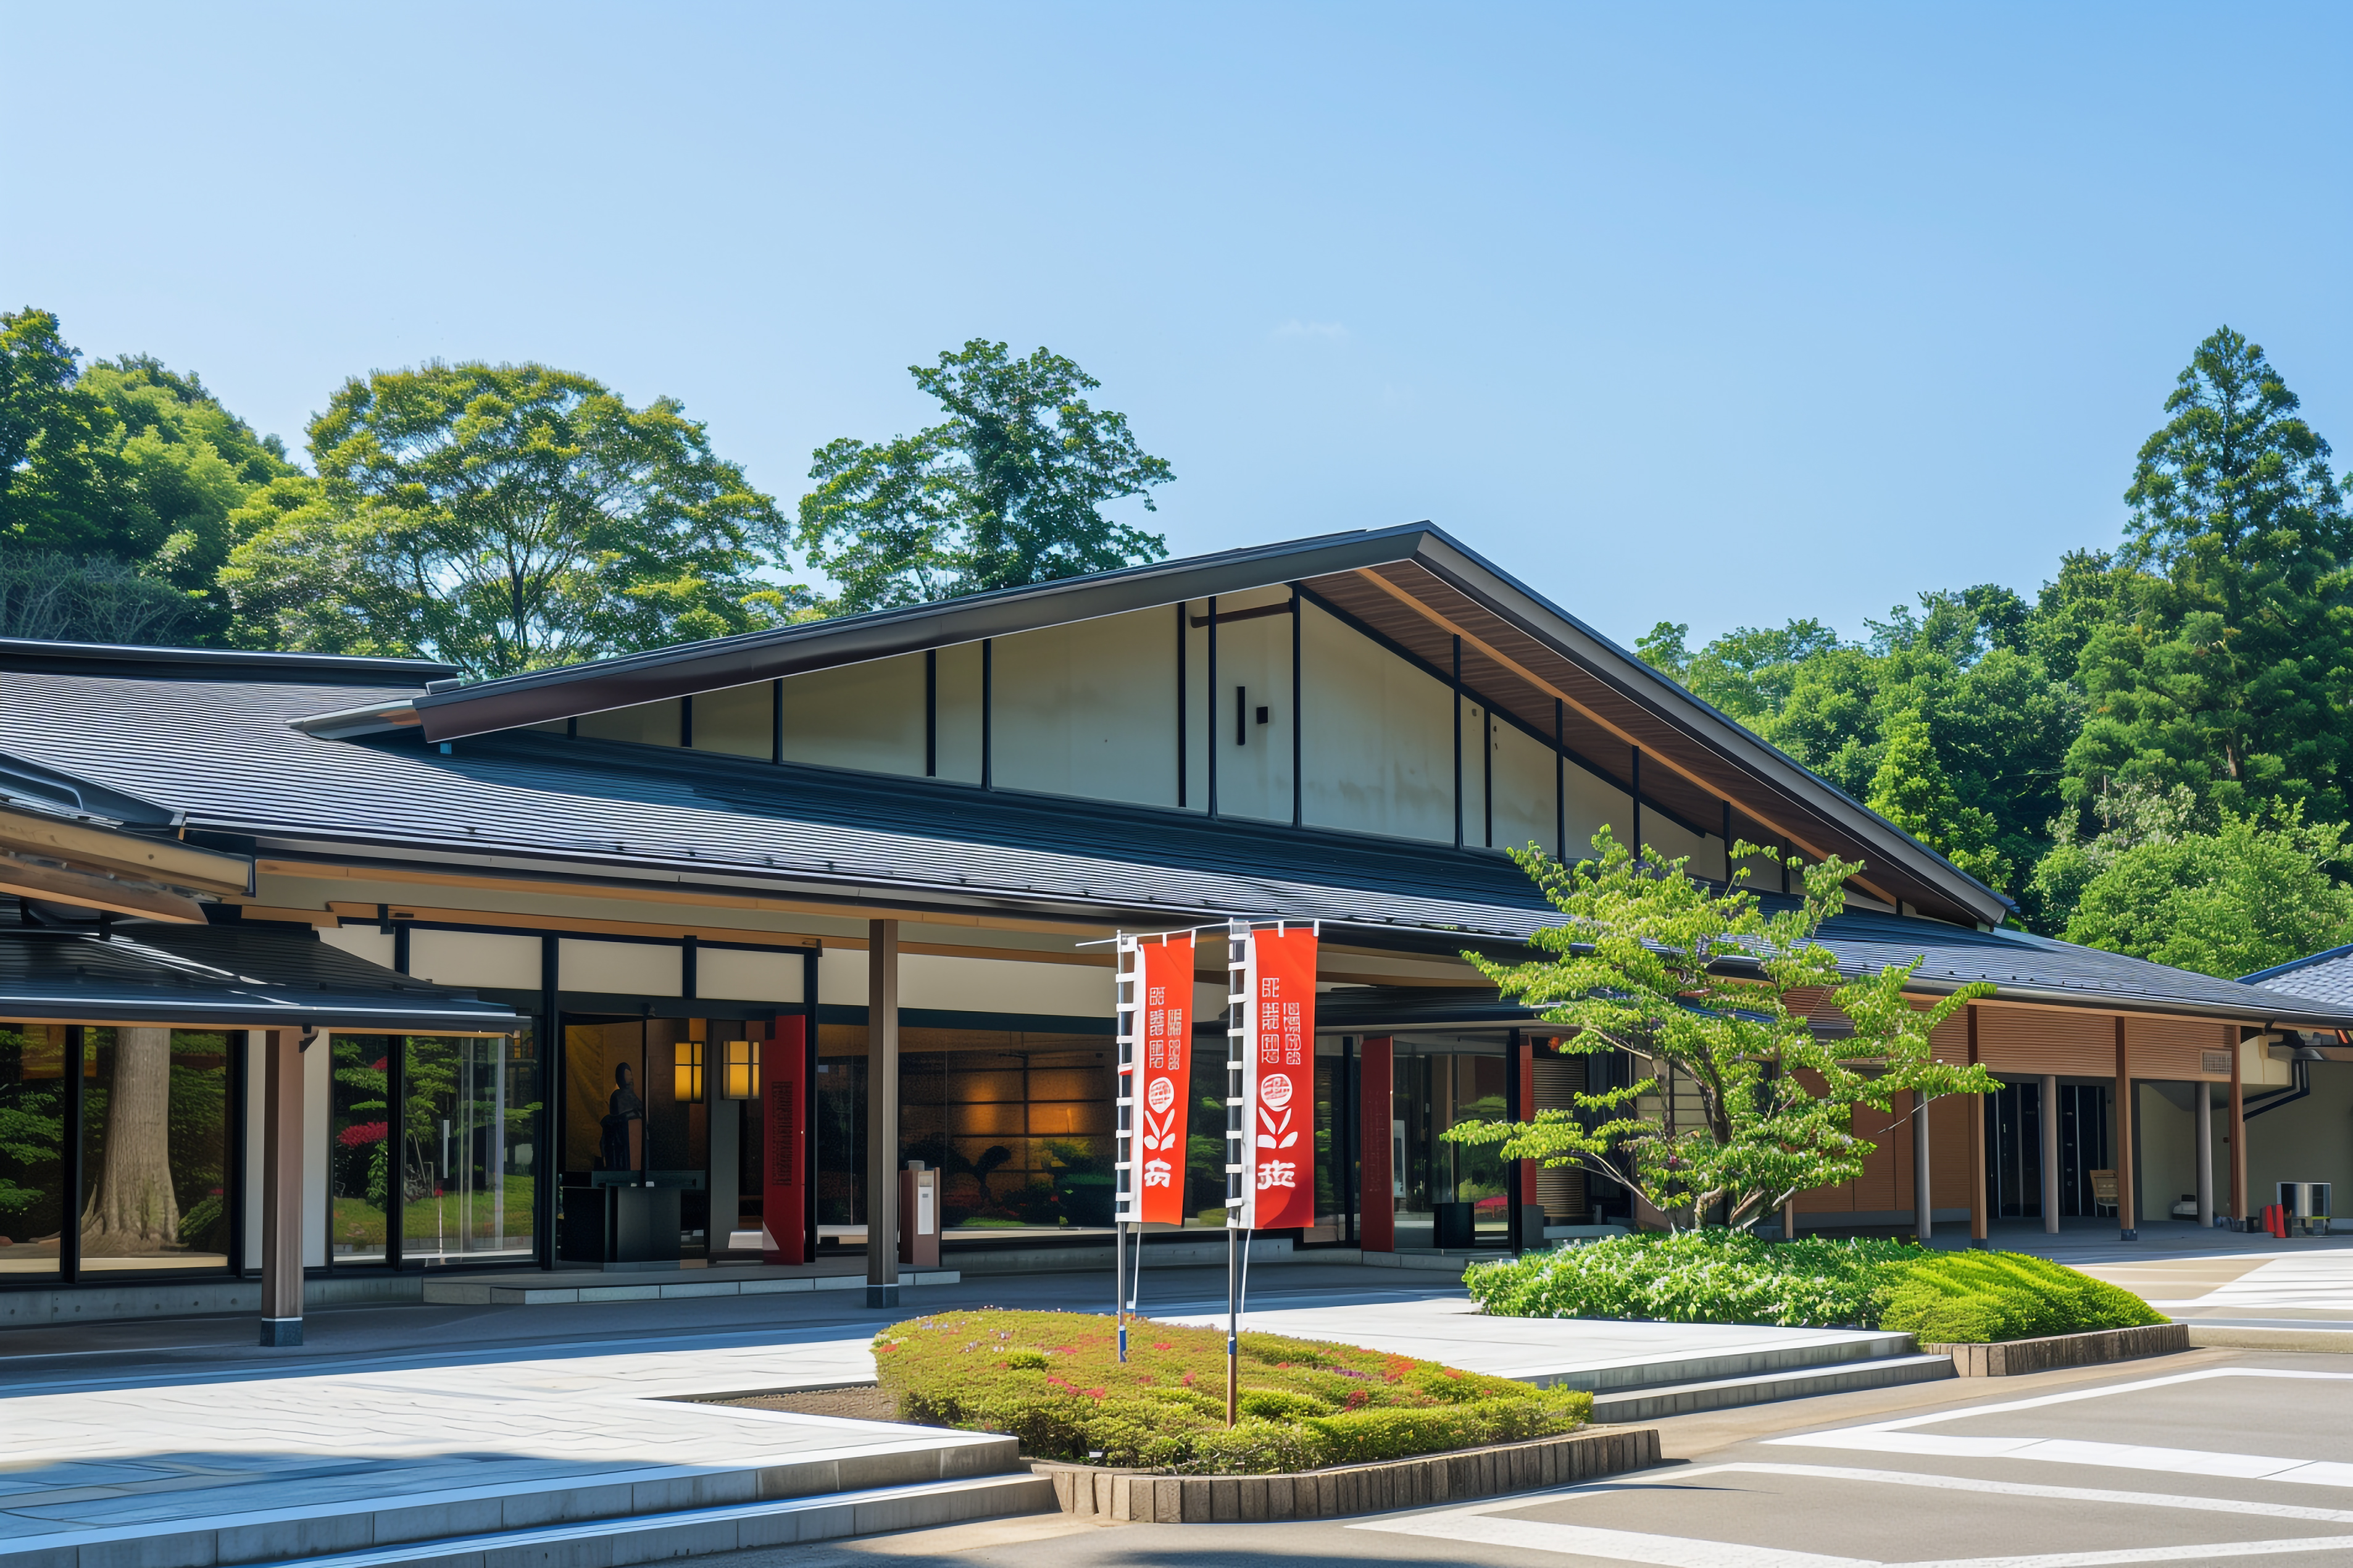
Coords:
740,1080
685,1079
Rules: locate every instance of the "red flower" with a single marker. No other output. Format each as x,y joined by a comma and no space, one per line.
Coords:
361,1133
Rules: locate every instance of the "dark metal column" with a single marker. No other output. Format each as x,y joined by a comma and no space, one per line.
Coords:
282,1189
883,1113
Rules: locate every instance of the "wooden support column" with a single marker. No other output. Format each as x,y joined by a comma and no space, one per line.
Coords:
2203,1130
2127,1228
1976,1146
1375,1079
281,1188
883,1113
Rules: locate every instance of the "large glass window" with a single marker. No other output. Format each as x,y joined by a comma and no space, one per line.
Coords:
1446,1194
359,1146
471,1106
154,1149
32,1146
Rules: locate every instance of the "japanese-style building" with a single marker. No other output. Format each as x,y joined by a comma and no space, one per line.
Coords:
386,942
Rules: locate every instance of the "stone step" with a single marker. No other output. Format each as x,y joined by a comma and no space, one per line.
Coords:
696,1533
348,1510
563,1290
1720,1366
1653,1403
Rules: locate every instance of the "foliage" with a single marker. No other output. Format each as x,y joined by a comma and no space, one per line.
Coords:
1729,1277
505,518
127,464
1698,982
1053,1380
2229,675
1980,1298
58,598
2243,898
1006,491
1911,789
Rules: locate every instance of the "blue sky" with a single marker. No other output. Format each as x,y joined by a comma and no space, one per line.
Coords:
1716,314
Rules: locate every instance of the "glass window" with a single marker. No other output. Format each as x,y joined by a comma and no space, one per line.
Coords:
156,1150
359,1133
470,1108
32,1146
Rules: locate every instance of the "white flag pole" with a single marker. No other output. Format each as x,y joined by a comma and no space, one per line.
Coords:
1131,991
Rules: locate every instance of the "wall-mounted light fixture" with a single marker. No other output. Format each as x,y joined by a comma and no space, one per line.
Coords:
741,1078
686,1075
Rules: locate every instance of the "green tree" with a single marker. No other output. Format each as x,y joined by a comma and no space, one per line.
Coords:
1698,983
58,597
1006,491
1912,791
1748,673
2232,674
63,487
2241,898
505,518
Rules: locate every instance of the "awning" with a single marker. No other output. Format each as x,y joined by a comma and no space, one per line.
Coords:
222,977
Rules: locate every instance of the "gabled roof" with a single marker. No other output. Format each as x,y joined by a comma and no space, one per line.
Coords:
1413,589
142,663
2321,977
529,803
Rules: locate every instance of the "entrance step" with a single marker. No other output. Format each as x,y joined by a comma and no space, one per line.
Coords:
567,1289
1814,1351
339,1510
1658,1400
696,1533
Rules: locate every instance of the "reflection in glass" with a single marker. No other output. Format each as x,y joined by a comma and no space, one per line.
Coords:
156,1150
359,1134
32,1146
469,1163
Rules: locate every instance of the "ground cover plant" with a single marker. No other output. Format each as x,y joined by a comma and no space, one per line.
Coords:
1720,1275
1054,1381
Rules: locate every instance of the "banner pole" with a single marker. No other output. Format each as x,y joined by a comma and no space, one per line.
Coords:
1238,936
1128,990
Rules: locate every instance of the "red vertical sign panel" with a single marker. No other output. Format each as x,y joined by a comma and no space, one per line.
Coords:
1280,1188
1164,1077
784,1140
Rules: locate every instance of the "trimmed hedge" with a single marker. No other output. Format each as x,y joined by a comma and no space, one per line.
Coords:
1730,1277
1054,1381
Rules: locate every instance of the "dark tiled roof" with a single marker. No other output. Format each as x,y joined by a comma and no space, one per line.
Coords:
2317,976
126,660
224,977
227,755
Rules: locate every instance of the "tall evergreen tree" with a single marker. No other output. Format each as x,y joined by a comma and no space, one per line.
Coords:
2230,668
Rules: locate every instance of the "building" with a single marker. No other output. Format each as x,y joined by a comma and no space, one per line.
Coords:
652,863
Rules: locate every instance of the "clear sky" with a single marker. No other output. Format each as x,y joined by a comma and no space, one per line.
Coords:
1716,314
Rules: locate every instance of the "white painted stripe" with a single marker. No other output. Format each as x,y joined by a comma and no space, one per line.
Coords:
1477,1524
2078,1451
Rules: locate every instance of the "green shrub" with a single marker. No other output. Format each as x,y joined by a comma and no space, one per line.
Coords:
1053,1380
1723,1276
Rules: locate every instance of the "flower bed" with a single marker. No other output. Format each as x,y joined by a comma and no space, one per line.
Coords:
1054,1381
1726,1276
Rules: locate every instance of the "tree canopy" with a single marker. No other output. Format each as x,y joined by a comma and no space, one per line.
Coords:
505,518
1698,983
1007,490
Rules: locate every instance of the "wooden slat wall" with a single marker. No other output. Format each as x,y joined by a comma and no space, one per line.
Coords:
2175,1048
2032,1040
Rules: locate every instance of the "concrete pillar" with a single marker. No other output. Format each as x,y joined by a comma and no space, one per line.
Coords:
2236,1128
2127,1220
1923,1212
2050,1153
1978,1217
883,1113
2203,1100
281,1188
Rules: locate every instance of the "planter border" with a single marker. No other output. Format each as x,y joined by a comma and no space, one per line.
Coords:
1145,1497
2017,1358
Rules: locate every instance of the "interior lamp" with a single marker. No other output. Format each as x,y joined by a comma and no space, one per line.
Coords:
685,1079
740,1080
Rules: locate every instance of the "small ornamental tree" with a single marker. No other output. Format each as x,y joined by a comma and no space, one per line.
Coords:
1698,983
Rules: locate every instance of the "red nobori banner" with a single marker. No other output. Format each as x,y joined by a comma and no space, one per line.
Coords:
1279,1089
1164,1028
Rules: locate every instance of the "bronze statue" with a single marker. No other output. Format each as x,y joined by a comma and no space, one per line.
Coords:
620,1110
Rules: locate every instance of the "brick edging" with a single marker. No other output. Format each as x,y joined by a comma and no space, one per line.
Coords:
2016,1358
1144,1496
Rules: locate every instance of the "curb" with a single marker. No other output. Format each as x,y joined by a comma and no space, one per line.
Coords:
2017,1358
1142,1497
2241,1336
